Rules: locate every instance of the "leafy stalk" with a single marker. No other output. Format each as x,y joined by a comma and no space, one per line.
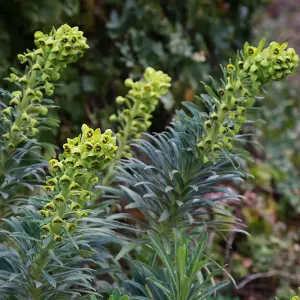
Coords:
176,272
43,66
74,174
229,103
196,154
135,115
178,189
181,184
21,162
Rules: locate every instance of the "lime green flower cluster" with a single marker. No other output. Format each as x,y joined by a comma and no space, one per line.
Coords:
271,63
74,174
139,103
44,65
242,82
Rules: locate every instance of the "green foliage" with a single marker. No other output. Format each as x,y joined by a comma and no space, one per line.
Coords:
134,118
37,15
139,105
174,179
31,268
272,209
116,295
44,65
170,190
21,163
43,269
241,83
182,272
73,176
178,35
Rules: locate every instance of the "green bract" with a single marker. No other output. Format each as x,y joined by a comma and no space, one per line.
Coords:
43,66
136,113
139,103
74,174
241,83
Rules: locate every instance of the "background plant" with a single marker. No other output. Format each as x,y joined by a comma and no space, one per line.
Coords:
21,162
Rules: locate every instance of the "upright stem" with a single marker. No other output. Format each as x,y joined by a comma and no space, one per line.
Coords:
108,178
32,84
35,272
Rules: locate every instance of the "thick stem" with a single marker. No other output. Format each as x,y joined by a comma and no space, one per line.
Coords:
35,272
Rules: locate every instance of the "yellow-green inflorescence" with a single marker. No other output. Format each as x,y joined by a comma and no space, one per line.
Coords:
139,103
74,174
243,79
43,66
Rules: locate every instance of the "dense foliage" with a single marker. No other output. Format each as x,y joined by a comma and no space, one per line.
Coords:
60,242
187,40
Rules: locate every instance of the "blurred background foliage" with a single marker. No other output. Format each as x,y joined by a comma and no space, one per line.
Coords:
188,40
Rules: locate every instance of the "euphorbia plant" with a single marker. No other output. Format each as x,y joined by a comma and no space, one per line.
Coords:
198,153
242,82
73,177
178,184
43,67
58,252
20,160
135,117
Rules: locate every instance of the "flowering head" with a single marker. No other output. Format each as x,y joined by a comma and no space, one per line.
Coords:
242,81
74,174
139,104
43,66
